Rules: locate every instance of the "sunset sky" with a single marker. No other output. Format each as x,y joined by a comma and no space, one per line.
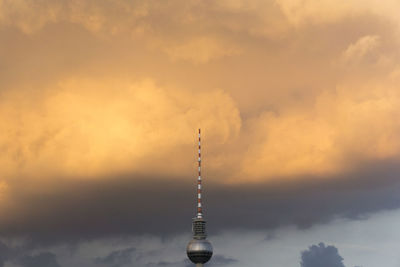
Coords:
100,102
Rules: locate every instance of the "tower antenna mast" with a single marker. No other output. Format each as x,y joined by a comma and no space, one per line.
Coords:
199,249
199,204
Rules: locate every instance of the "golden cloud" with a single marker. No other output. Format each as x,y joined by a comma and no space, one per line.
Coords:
307,87
200,50
301,12
88,128
343,128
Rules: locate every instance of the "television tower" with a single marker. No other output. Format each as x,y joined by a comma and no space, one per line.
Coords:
199,249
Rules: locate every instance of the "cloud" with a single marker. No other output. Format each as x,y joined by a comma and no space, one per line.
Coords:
18,253
184,263
216,260
304,12
179,36
44,259
321,255
100,100
117,258
357,51
200,50
125,205
86,146
5,253
220,260
324,138
85,129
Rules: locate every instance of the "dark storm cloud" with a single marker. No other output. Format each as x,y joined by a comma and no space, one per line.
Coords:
80,210
304,202
44,259
117,258
321,255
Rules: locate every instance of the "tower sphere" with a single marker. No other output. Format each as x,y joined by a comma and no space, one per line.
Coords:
199,250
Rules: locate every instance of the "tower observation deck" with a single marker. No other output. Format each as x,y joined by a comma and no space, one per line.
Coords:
199,249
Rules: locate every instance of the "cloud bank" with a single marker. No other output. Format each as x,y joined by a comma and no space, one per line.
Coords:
100,102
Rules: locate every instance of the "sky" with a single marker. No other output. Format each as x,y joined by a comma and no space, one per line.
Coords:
299,106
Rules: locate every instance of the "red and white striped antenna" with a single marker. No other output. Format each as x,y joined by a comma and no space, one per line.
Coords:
199,206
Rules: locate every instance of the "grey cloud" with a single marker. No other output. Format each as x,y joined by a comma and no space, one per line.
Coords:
5,253
270,236
183,263
164,263
321,255
216,260
117,258
123,206
221,260
22,256
44,259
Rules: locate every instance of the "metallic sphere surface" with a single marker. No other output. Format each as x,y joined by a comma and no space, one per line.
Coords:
199,245
199,250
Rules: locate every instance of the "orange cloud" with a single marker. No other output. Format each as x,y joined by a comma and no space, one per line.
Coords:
91,128
343,128
200,50
120,86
